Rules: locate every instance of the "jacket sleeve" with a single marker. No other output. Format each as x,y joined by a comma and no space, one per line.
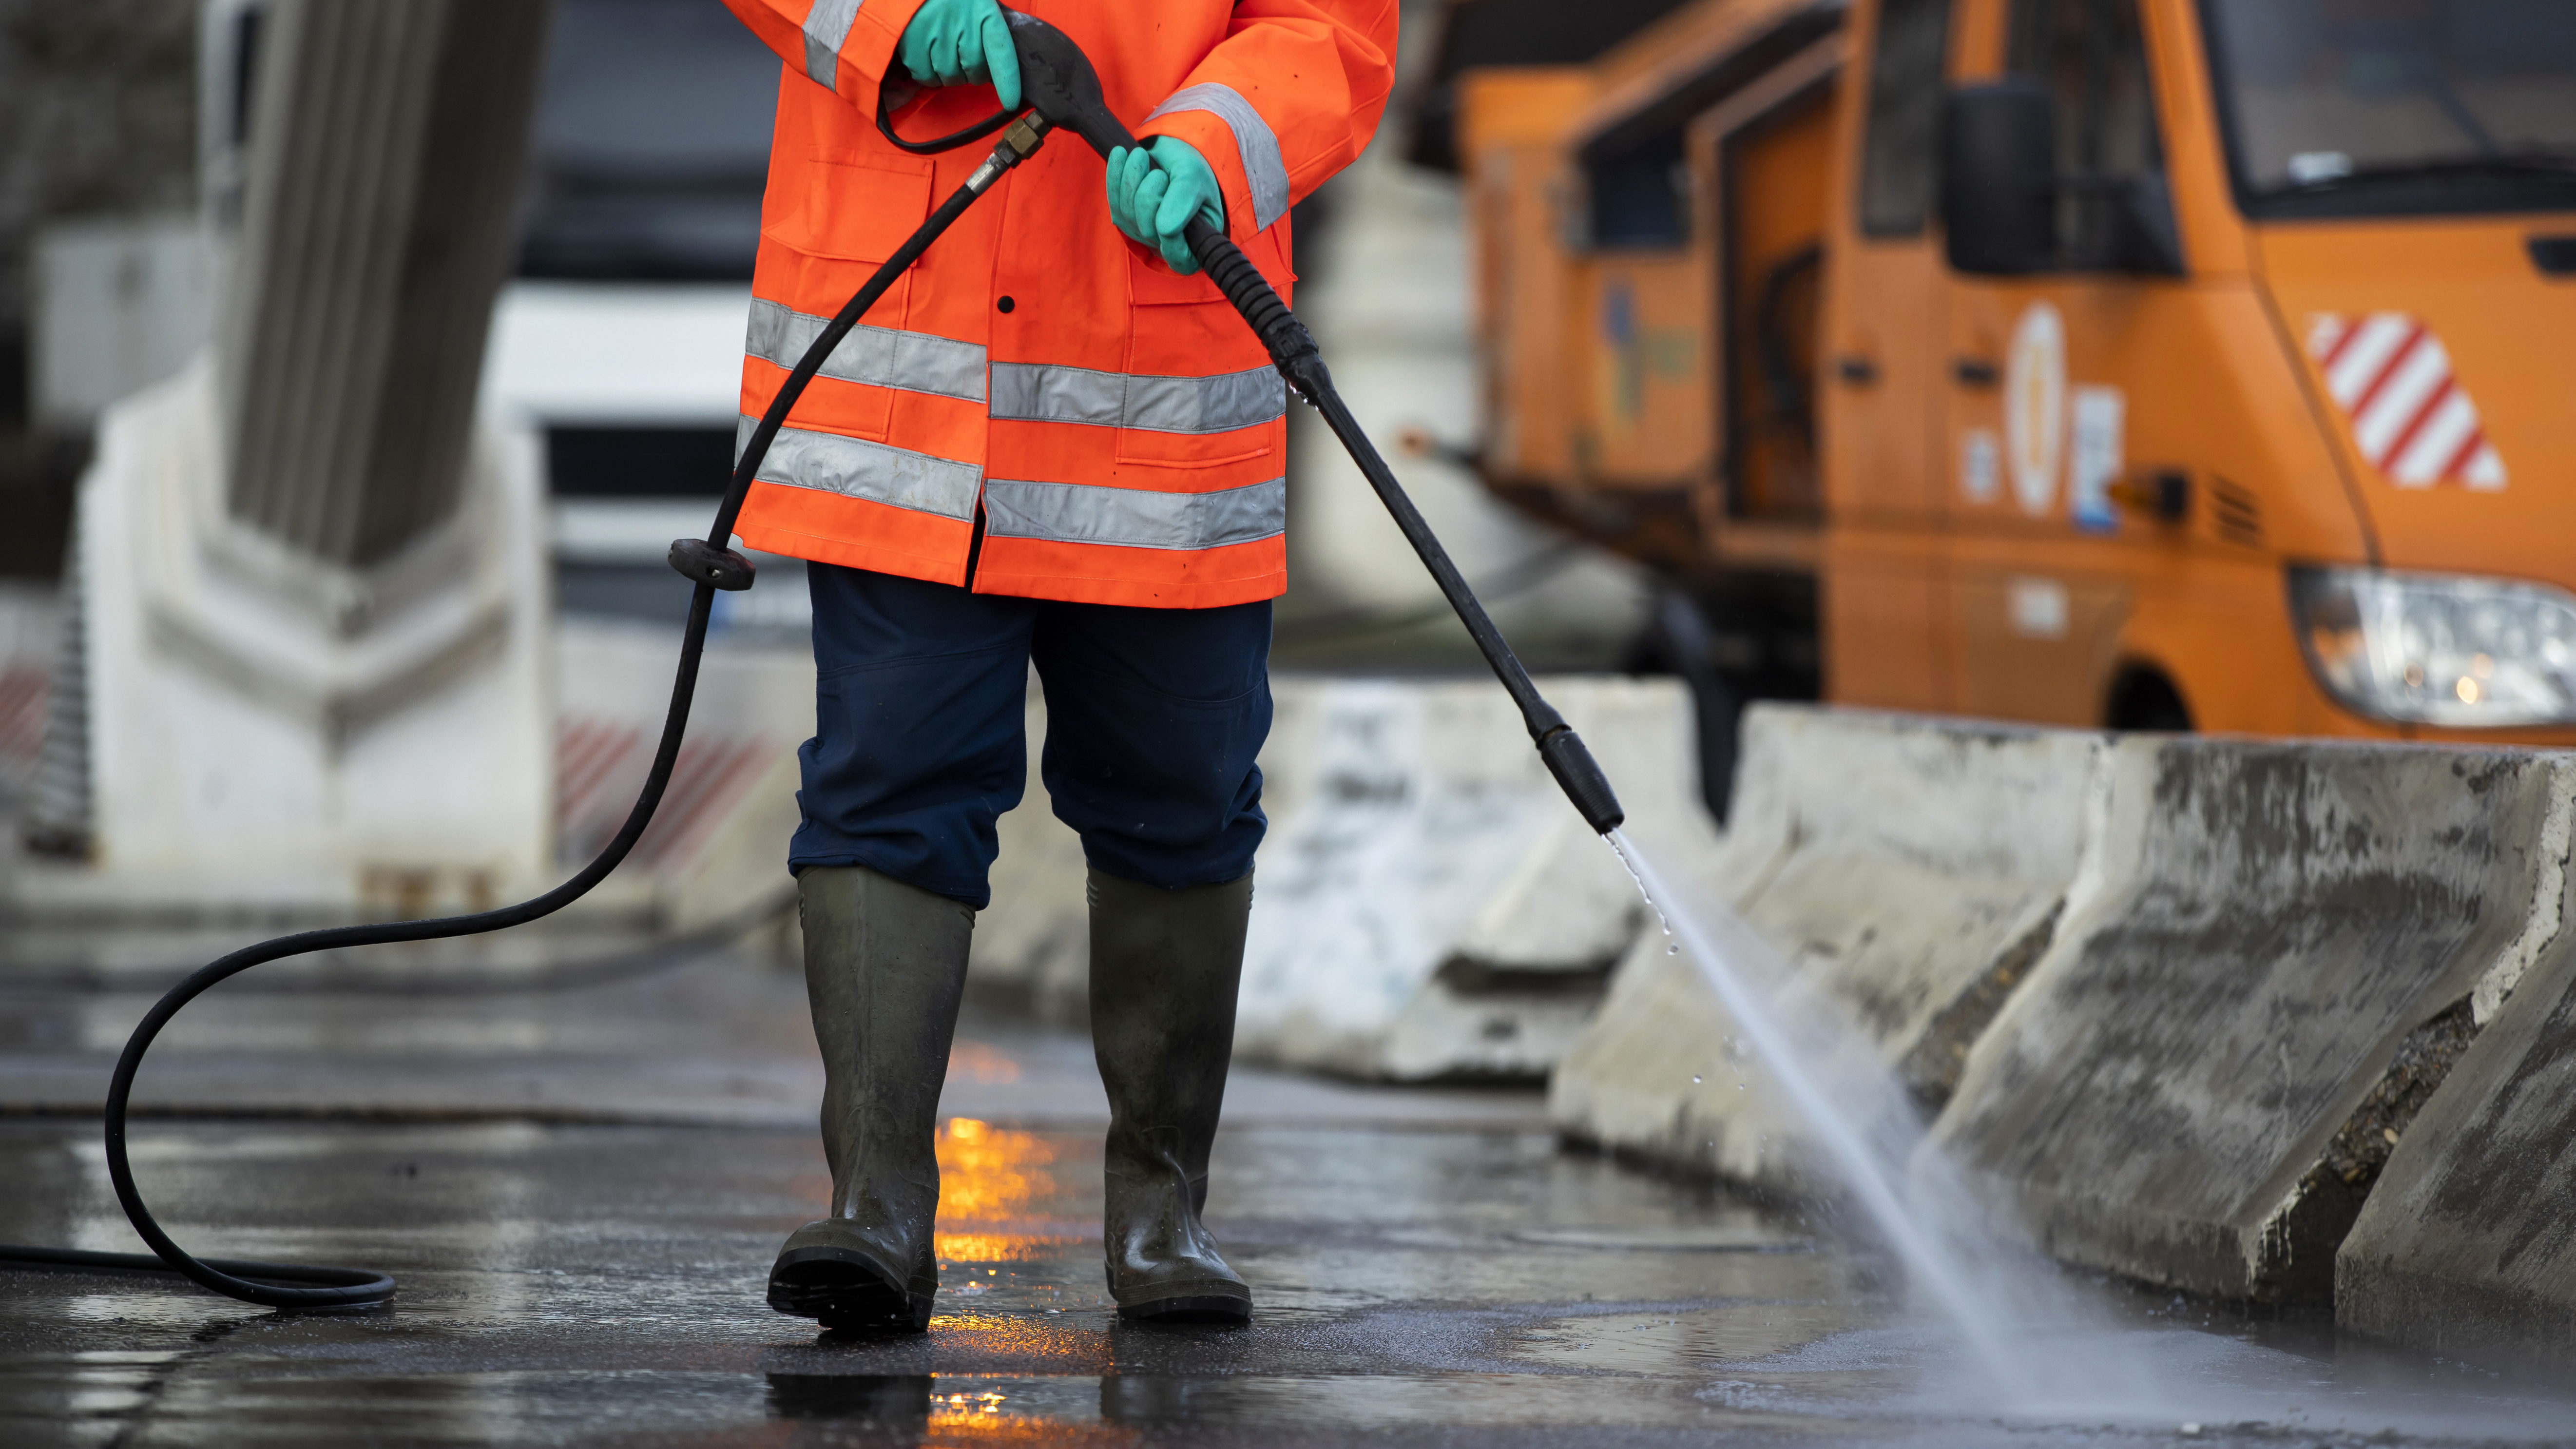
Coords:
842,45
1289,97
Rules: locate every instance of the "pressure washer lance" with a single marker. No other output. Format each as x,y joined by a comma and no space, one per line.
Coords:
1062,92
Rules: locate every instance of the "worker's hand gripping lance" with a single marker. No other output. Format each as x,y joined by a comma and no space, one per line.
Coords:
1064,91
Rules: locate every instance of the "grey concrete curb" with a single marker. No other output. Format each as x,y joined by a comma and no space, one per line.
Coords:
2181,1090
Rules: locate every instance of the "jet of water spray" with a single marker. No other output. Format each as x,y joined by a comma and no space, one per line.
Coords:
1719,947
2047,1349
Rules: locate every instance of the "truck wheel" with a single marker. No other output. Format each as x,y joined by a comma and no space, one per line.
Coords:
1718,712
1676,641
2143,699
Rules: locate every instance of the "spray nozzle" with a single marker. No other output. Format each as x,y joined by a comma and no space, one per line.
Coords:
1580,777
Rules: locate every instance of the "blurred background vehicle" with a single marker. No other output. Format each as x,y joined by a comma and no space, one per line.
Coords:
2140,363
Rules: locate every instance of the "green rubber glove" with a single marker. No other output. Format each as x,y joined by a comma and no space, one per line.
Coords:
1154,190
961,43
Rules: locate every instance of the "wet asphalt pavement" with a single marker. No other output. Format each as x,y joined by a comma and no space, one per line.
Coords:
1431,1269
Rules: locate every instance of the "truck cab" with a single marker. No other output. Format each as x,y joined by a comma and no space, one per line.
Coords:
2144,363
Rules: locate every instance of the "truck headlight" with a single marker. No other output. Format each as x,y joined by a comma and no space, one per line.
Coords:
2439,649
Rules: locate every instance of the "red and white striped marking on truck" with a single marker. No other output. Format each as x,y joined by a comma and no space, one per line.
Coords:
2410,417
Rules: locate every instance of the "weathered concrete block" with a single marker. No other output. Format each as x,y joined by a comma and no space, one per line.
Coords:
1566,907
2467,1245
2258,930
1909,870
1433,854
1525,975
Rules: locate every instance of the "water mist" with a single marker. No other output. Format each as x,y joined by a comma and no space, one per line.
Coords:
1998,1296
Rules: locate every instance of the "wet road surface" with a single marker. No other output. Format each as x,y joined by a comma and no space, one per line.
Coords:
1430,1268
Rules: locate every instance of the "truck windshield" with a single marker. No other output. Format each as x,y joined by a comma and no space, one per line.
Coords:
652,144
2397,107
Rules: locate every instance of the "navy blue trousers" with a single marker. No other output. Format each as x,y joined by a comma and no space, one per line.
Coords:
1154,719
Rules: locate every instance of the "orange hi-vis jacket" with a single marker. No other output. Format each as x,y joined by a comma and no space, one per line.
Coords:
1116,426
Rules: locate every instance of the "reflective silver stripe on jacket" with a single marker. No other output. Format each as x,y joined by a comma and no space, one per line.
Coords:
1263,170
826,26
1134,517
857,468
913,361
1039,393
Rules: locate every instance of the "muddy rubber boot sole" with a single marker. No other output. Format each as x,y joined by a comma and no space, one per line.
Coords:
1219,1304
845,1292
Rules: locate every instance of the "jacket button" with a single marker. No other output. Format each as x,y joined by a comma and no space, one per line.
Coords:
1006,304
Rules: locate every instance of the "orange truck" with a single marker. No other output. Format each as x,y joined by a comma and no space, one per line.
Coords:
2193,364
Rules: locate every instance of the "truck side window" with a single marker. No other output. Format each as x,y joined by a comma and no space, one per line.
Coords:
2092,54
1900,151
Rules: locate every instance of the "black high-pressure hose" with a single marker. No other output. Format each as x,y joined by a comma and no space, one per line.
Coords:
1062,91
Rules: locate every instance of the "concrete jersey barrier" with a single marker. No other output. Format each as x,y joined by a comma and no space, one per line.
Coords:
2467,1245
2190,1086
1909,868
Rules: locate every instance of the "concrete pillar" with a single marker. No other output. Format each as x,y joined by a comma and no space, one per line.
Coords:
315,603
386,148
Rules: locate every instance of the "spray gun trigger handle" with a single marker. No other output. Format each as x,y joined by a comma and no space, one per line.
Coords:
1057,82
701,562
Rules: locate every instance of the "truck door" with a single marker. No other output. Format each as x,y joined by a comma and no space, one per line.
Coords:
2050,386
1882,617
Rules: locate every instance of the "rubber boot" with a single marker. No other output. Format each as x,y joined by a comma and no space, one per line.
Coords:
885,965
1164,969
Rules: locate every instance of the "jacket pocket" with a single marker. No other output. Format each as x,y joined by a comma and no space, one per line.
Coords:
852,208
843,217
1200,388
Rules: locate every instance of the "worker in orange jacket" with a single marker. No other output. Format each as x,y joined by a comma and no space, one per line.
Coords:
1052,443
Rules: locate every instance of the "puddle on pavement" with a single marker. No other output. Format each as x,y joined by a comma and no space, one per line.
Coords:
1677,1238
569,1285
1711,1336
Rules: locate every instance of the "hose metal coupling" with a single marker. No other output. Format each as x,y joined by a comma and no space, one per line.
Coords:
1019,142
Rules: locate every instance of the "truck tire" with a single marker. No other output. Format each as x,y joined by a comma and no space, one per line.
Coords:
2144,699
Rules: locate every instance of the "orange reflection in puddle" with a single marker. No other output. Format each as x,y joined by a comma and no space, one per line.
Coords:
990,1180
987,1417
968,1410
989,1173
999,1247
